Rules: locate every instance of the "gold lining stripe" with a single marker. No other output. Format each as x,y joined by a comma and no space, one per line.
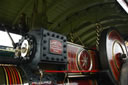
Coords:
19,75
13,74
6,76
77,59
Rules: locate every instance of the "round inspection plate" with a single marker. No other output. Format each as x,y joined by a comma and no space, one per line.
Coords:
84,60
111,48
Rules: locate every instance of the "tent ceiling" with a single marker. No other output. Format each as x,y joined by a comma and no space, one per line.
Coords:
78,17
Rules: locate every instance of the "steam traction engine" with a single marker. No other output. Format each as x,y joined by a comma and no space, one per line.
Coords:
43,57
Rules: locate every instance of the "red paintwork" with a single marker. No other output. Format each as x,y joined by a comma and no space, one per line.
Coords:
118,61
12,77
76,66
94,59
114,70
9,75
72,57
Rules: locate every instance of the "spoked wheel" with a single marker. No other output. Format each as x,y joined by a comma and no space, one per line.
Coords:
112,51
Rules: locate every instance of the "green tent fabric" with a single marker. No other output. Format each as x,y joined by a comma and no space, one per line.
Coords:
80,20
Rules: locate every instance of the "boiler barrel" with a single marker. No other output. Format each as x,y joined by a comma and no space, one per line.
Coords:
7,56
